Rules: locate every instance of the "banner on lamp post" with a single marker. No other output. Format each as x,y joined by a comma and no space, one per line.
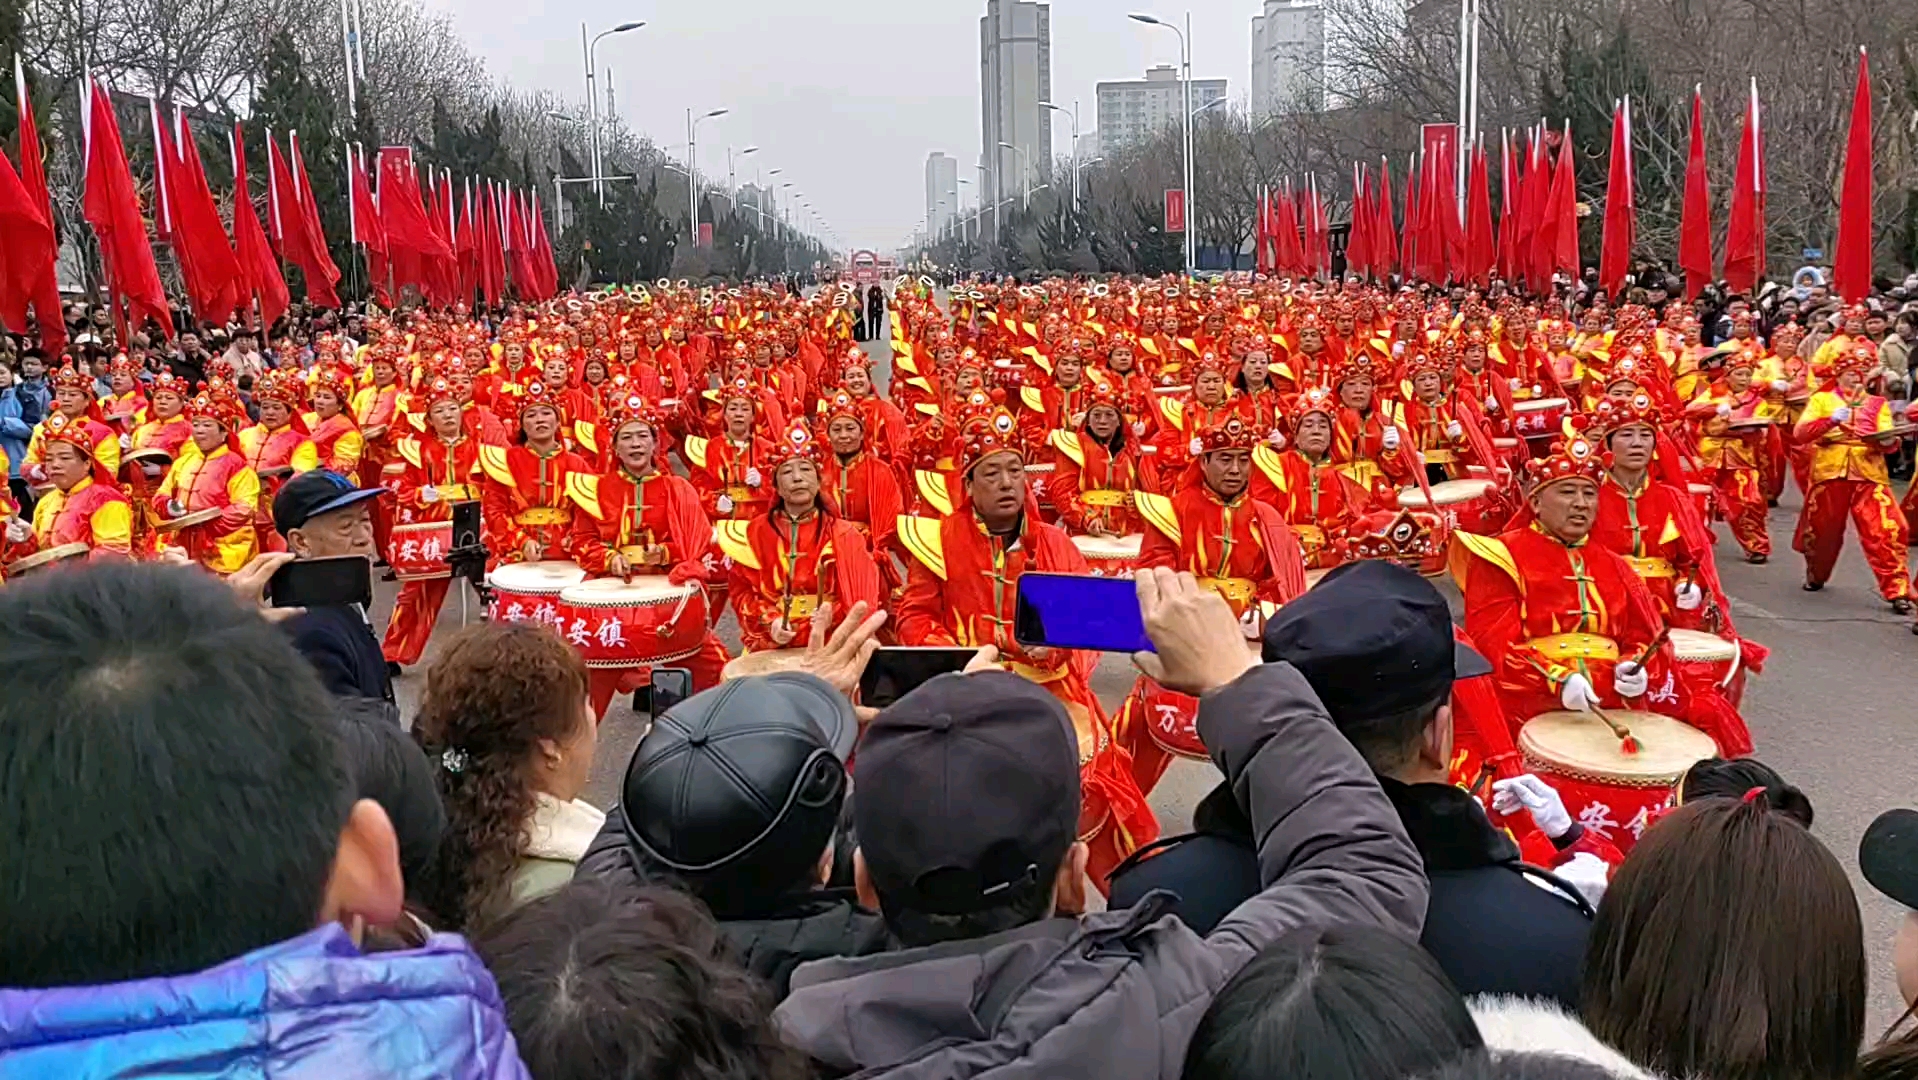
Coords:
1175,210
705,234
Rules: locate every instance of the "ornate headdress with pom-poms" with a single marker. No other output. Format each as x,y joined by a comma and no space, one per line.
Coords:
1577,457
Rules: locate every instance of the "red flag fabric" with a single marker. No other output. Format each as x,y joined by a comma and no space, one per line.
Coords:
1414,184
1562,214
216,286
1452,229
1535,229
1695,228
322,274
27,238
413,248
1507,212
44,287
1745,231
1480,250
1621,219
1851,266
1358,251
543,255
463,245
1385,242
259,270
1291,255
112,207
1261,232
366,214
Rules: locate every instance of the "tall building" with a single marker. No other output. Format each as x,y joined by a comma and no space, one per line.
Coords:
1288,55
1015,75
1133,111
942,191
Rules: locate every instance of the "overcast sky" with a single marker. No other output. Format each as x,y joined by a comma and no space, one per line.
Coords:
847,98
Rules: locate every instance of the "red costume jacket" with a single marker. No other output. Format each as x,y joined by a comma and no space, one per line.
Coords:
524,497
722,468
1090,486
783,569
1315,498
656,523
1242,550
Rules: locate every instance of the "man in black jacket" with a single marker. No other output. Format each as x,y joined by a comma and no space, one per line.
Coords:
1375,641
324,516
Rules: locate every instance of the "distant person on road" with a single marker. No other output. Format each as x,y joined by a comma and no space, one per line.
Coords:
876,314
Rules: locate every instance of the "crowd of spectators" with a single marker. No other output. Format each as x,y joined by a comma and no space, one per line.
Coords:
224,857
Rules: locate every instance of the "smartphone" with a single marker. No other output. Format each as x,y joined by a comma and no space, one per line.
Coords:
670,686
1068,611
898,670
311,583
466,524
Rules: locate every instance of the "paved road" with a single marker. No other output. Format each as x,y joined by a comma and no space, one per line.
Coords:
1833,711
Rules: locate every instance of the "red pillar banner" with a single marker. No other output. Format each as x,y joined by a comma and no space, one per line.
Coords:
1175,210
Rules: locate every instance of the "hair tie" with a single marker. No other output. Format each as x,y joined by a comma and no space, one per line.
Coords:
1753,794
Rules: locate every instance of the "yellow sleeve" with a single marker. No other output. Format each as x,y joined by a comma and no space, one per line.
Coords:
108,454
243,489
306,457
112,526
348,448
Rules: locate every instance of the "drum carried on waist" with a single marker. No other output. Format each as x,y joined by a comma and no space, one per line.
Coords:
1720,657
764,662
418,551
1038,479
1110,556
1540,418
188,521
637,623
1703,496
519,589
1605,789
1455,504
46,557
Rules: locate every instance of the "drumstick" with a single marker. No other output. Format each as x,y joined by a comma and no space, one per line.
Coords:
1663,635
1627,742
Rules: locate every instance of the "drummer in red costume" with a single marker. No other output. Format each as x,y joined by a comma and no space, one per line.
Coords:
887,430
1182,419
212,474
165,426
1097,468
1233,544
336,438
730,469
1731,456
1848,478
376,409
278,447
1305,485
961,589
73,398
85,505
864,489
523,487
1369,441
635,519
797,556
441,469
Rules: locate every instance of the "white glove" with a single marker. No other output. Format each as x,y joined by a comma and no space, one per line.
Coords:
1587,873
1276,439
1398,349
429,494
1138,427
1491,403
1539,799
752,476
1724,411
175,508
1391,439
1689,597
1516,384
1780,385
18,530
1454,429
1577,694
1249,622
126,442
1630,680
725,504
1841,415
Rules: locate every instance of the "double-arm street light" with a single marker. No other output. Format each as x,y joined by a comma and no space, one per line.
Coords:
1185,75
1025,167
1074,114
592,101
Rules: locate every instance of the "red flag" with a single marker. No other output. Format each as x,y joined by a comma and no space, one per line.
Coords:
1695,228
486,243
215,285
1385,243
1357,254
1291,258
413,248
1480,251
112,207
322,271
1261,229
1414,184
1452,228
44,289
1507,212
543,255
1851,266
463,244
1745,232
1535,228
366,213
1621,218
27,238
259,270
1562,214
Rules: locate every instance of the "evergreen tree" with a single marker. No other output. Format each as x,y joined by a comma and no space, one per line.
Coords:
289,99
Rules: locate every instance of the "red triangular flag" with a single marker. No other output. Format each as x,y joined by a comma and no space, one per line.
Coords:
321,272
1851,265
1385,242
45,287
259,270
1414,183
1507,209
1621,217
1480,251
112,207
1695,228
216,286
1745,231
27,239
1562,213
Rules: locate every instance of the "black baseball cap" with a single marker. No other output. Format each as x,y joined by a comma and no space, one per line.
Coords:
1888,855
316,492
744,779
968,795
1374,639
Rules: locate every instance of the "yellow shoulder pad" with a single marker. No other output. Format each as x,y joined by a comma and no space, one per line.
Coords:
694,450
1149,345
583,489
921,537
926,407
991,316
493,459
920,382
731,536
1269,462
418,420
1489,548
1039,359
410,450
1173,410
932,487
1189,345
586,433
1031,330
1032,398
1067,443
1157,510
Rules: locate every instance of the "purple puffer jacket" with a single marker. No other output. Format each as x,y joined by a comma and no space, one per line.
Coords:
310,1008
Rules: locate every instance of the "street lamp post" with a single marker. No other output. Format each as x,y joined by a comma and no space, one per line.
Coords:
1185,64
592,101
731,183
1074,114
1025,167
692,169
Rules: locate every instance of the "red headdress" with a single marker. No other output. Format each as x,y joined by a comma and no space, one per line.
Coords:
537,393
437,388
222,406
168,383
797,443
1574,458
75,433
1357,366
329,379
1421,361
986,427
631,408
1314,399
842,403
1612,414
1859,360
1227,433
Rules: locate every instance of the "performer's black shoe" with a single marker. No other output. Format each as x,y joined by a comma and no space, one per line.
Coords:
1756,559
1901,606
394,670
1814,586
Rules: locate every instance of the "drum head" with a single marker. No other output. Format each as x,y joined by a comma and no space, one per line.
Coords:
764,663
1110,547
47,557
187,521
552,575
1579,744
1698,645
1540,404
612,592
1446,493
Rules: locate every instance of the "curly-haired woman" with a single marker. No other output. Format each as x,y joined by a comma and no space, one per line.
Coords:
506,723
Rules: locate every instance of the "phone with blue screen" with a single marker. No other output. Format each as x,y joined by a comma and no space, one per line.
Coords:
1071,611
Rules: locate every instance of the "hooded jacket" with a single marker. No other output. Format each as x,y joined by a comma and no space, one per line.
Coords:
1116,995
310,1008
1513,1025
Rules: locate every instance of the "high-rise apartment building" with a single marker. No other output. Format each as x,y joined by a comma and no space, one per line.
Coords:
1134,110
942,191
1015,75
1288,56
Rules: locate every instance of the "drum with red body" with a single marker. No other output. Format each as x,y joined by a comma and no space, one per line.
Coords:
521,589
1713,658
1110,556
1704,496
419,550
1540,421
1171,719
1610,792
1459,504
1038,481
638,623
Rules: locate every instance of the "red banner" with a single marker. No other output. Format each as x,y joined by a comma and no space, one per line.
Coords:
1175,210
705,234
